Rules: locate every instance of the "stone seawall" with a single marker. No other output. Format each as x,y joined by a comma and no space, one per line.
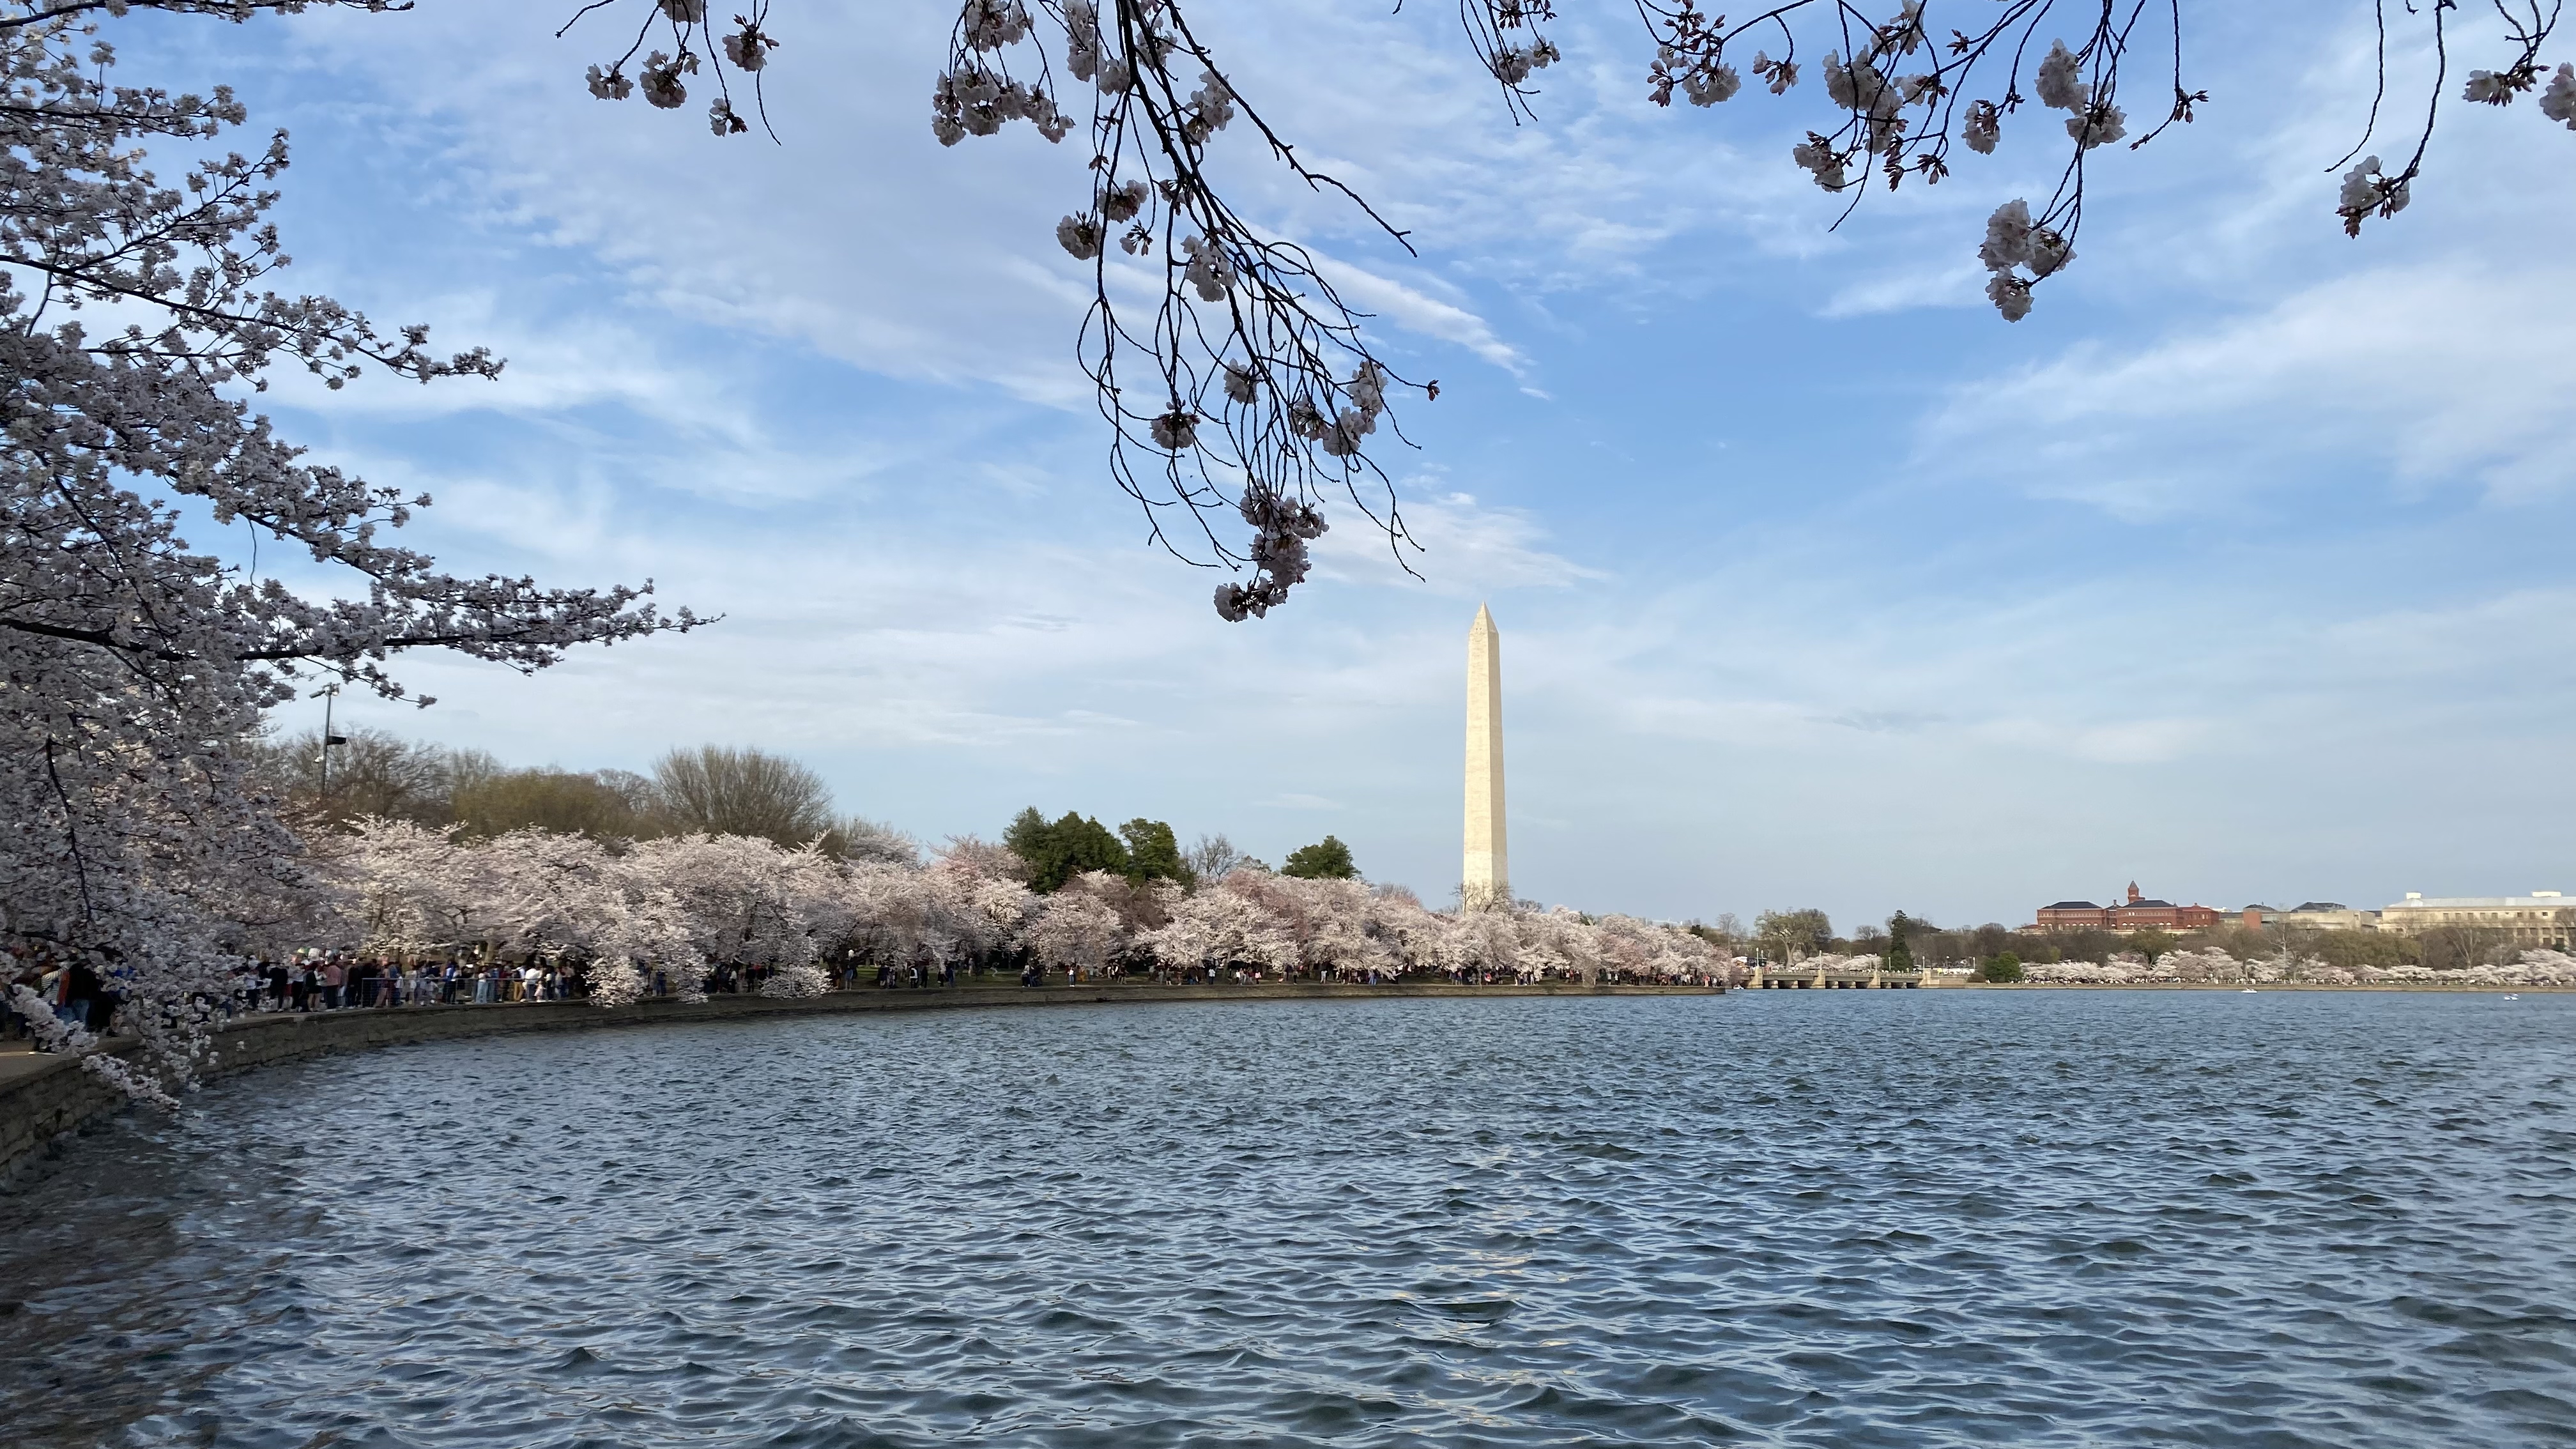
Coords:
45,1098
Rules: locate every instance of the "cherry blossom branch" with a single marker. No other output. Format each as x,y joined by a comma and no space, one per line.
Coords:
1879,128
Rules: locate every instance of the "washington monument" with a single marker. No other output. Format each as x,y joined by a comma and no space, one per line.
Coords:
1488,880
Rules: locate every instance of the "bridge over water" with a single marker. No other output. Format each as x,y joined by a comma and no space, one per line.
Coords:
1792,978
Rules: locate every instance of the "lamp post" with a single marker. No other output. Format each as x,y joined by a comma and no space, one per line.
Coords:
330,696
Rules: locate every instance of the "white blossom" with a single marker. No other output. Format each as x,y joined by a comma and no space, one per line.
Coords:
2061,83
1821,158
1982,128
749,48
1208,270
2049,252
2485,87
609,85
2097,126
993,24
2008,231
1176,430
1513,64
1082,39
2367,190
1119,203
661,79
2558,102
1367,388
1211,106
1080,236
1708,86
2010,294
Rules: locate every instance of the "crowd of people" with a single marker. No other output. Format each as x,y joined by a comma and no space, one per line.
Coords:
336,981
78,994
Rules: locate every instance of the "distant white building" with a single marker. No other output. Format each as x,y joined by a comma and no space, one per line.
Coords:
2315,915
2542,919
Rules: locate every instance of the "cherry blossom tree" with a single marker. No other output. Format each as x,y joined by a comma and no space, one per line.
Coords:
747,902
1075,930
138,314
675,908
2210,965
1216,928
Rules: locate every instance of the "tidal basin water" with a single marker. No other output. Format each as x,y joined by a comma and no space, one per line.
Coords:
1801,1218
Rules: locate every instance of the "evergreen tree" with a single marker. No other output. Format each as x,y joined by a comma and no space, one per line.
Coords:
1326,859
1027,834
1900,957
1058,852
1153,852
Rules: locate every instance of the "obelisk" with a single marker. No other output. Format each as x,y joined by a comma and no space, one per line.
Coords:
1488,880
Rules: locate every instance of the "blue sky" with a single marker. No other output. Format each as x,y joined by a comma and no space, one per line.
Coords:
2238,569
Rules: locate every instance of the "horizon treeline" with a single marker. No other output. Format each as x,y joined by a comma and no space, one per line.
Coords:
1784,936
706,790
709,790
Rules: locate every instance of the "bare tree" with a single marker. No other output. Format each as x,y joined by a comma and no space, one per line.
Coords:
859,838
2457,948
1792,935
719,791
1213,858
564,801
372,772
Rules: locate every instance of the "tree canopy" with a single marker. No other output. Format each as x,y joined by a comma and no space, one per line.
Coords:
1326,859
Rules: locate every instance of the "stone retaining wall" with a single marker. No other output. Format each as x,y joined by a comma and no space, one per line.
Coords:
43,1099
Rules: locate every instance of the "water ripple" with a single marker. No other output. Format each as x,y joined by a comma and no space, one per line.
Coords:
1839,1219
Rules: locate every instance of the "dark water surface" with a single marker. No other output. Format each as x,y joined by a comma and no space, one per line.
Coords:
1813,1218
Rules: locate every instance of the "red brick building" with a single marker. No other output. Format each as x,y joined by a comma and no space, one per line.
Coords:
2137,914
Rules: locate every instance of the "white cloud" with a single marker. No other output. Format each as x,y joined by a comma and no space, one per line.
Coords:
1416,311
2432,376
1459,548
1959,283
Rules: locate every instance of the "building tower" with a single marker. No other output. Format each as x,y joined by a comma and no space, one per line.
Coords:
1488,880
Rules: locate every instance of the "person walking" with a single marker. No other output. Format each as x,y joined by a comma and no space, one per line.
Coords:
54,984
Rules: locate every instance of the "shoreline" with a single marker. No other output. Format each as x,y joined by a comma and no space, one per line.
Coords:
2462,989
46,1098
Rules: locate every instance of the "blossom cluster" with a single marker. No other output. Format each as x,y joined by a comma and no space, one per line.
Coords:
1900,119
670,911
2213,966
2014,241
